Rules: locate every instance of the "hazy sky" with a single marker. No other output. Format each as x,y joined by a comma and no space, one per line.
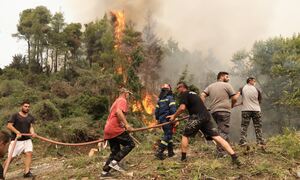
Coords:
217,25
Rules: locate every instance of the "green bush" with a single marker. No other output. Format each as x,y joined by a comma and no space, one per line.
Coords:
73,130
78,129
96,106
9,87
289,143
67,107
11,73
5,114
45,110
62,89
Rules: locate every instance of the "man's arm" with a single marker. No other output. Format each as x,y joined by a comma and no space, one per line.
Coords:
180,110
32,131
13,129
122,118
203,96
234,99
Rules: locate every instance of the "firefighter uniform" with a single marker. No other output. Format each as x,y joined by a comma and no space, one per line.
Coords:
165,106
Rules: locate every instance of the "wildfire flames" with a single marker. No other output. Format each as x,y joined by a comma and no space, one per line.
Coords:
119,23
137,107
147,105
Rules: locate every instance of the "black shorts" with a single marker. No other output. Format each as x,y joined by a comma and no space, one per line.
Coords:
196,123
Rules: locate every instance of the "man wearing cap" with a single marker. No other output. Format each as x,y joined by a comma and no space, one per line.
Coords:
165,106
116,132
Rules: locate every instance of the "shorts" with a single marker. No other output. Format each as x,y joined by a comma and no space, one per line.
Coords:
21,146
196,123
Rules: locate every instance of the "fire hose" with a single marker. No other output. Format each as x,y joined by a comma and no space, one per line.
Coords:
9,158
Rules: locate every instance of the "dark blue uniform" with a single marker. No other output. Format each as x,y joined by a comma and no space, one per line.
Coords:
166,106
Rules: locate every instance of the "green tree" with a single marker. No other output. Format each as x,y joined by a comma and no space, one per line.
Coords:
56,40
276,66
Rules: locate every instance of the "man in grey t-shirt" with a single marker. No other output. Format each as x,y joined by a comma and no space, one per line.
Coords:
223,98
251,110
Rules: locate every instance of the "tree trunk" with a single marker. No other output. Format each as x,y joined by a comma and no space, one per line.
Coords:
52,61
56,60
65,62
29,54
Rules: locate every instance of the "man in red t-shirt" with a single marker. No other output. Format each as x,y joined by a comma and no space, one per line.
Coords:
116,132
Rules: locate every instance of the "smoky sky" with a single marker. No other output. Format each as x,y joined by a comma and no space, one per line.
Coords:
221,27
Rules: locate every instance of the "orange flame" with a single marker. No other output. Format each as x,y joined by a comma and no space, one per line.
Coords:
137,107
119,23
148,103
119,70
149,121
147,107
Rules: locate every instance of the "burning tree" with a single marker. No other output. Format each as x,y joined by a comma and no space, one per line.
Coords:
130,54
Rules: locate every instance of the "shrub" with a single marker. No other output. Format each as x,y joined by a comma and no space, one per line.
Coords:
96,106
8,87
289,143
11,73
71,130
46,111
62,89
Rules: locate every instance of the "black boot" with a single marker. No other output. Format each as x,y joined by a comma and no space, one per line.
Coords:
170,149
160,152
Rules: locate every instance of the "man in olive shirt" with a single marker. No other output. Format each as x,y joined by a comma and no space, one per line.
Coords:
223,98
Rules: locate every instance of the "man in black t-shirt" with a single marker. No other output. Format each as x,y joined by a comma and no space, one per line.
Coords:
199,120
22,123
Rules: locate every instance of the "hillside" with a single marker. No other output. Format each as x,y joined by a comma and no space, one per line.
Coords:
280,160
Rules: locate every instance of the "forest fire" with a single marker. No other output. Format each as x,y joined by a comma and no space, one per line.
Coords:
118,18
137,106
147,107
148,104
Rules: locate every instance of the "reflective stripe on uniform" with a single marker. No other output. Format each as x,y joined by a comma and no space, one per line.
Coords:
172,103
164,142
163,100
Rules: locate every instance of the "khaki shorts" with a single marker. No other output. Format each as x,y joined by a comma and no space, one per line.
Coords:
21,146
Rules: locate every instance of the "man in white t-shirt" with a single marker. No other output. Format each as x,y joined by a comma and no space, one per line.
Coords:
251,110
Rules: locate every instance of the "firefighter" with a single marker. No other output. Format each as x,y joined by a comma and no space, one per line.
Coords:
165,106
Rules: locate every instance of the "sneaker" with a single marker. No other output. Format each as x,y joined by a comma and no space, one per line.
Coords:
105,174
114,164
28,175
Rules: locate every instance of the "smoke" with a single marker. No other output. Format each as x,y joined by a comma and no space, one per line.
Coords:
208,33
135,10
